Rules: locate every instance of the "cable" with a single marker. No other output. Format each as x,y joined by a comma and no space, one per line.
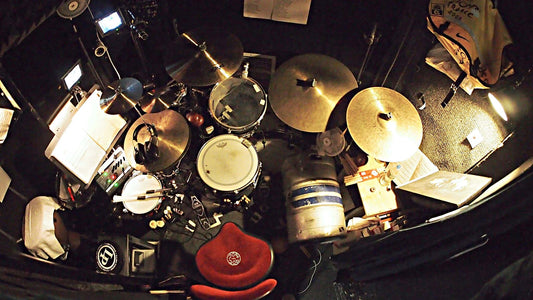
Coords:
314,267
101,49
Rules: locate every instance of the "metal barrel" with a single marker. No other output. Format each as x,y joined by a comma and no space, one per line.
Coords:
314,203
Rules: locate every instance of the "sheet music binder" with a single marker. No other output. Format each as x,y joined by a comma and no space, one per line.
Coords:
86,141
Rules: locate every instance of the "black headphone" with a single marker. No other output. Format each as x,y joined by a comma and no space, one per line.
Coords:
147,152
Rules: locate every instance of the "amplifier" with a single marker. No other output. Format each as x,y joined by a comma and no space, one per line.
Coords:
114,171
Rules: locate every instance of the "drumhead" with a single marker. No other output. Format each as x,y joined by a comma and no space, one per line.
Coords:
237,104
227,163
138,185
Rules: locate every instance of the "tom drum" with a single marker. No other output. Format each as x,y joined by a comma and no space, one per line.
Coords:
238,104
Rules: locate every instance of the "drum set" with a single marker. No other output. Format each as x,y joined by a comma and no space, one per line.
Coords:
198,137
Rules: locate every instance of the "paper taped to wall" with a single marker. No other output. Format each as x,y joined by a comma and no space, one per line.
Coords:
290,11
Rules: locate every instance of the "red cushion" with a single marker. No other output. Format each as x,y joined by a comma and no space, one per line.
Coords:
234,259
204,292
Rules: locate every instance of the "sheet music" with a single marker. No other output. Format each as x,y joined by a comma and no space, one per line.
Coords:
77,152
291,11
6,115
101,127
83,145
414,168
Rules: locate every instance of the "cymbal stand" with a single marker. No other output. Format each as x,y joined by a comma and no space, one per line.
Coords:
372,39
137,33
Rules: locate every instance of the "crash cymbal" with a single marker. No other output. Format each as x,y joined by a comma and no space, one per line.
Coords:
204,56
160,99
173,138
305,89
384,124
121,95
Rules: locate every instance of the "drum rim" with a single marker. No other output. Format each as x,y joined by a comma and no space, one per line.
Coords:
155,202
241,184
237,129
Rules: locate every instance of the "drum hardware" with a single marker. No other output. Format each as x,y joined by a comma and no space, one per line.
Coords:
217,222
384,113
204,56
173,138
70,9
162,98
305,89
331,142
121,95
200,211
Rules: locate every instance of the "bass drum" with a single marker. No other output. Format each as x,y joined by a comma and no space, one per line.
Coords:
229,165
238,104
138,185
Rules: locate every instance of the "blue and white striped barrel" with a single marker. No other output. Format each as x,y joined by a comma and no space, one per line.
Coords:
315,211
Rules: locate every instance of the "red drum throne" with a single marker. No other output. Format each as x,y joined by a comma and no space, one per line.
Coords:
236,264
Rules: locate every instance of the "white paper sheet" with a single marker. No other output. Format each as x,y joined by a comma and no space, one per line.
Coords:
291,11
260,9
6,115
5,180
416,167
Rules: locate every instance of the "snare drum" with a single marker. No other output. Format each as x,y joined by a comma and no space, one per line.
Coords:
229,165
238,104
138,185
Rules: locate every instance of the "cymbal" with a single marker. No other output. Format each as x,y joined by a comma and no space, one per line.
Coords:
121,95
204,56
173,136
158,99
384,124
305,89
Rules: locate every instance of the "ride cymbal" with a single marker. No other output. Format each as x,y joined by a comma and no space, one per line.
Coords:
173,136
121,95
204,56
305,89
384,124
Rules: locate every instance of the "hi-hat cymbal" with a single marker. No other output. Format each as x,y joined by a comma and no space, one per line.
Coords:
121,95
305,89
204,56
159,99
384,124
173,136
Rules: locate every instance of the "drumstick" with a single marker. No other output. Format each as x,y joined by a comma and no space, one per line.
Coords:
156,191
118,198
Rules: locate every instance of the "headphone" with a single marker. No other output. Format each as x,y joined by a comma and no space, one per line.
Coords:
147,152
